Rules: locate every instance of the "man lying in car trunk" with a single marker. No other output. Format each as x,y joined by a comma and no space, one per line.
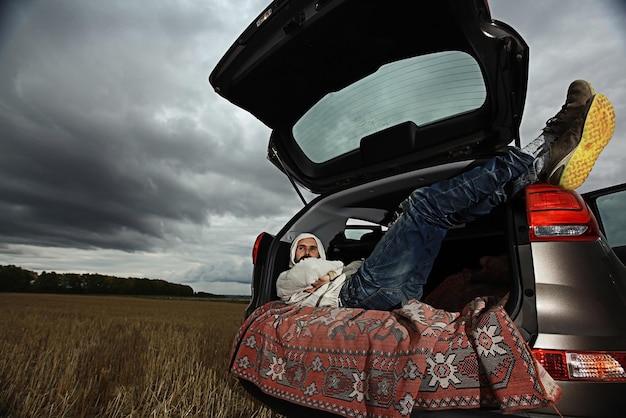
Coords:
399,265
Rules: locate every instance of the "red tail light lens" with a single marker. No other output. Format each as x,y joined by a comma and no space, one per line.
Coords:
598,366
558,215
255,249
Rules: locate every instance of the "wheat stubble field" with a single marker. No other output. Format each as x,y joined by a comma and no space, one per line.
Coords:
105,356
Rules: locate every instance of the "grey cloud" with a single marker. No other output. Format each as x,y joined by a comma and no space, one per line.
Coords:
116,156
570,40
105,139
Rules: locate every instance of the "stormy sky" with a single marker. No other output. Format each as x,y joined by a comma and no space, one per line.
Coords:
117,157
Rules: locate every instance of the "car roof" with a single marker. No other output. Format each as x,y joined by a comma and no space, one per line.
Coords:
357,90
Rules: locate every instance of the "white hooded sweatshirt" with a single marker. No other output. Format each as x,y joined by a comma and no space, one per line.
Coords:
292,284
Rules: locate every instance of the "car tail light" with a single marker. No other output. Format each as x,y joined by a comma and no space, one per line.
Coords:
255,249
598,366
558,215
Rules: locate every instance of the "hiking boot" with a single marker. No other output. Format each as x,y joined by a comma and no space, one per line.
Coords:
574,153
575,103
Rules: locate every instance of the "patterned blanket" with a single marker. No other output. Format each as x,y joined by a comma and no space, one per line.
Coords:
364,363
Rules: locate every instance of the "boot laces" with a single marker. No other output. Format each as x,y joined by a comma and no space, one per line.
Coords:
556,118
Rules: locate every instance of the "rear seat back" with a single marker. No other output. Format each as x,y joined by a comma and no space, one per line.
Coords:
348,249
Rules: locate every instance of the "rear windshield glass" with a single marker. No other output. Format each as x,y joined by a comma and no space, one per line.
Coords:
421,89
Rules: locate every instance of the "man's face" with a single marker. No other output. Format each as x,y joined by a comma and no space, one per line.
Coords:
307,247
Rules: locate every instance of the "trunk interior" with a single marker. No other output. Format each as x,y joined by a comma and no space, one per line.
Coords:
368,208
457,276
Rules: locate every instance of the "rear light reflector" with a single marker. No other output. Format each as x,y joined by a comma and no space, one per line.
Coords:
560,230
558,215
595,366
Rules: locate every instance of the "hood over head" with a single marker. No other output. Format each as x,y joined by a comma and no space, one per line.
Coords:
294,244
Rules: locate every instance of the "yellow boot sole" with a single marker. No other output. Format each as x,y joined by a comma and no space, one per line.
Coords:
596,134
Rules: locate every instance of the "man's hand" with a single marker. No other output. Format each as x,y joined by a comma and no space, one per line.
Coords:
318,283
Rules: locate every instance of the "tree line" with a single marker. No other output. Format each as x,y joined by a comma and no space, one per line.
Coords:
17,279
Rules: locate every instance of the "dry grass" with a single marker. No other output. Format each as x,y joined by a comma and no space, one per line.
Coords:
91,356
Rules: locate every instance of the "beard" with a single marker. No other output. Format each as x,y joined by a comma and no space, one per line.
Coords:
302,258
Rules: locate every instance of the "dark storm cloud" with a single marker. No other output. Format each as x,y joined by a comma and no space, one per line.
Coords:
117,157
108,137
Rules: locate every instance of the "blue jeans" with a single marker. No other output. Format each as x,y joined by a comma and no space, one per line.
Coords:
400,264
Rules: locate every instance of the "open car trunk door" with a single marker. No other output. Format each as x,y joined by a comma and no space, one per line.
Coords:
356,90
